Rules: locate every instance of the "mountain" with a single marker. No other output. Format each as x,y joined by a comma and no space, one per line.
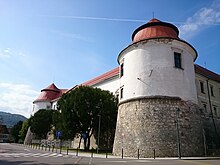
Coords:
9,119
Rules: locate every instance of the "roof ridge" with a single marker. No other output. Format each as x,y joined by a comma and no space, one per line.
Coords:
207,73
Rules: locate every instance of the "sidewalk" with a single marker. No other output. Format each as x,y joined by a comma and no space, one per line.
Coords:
95,155
103,155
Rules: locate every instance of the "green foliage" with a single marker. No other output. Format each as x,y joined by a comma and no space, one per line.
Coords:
57,120
41,122
15,131
24,129
81,109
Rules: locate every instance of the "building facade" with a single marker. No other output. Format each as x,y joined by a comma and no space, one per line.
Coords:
166,102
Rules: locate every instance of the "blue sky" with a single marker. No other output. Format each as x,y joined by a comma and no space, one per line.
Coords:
71,41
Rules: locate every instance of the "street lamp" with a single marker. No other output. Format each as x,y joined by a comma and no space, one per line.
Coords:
99,132
178,133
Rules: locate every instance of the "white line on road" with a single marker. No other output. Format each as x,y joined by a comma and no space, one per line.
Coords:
90,162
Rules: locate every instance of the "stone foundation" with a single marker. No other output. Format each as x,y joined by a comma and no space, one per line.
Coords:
150,123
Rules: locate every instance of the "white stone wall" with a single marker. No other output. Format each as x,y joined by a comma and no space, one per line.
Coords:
149,70
111,85
41,105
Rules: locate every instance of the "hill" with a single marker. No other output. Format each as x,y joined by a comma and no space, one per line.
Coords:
9,119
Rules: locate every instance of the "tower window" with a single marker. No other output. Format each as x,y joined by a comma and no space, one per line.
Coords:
202,87
121,69
177,60
212,90
121,92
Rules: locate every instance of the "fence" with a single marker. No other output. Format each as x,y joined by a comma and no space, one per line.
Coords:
66,147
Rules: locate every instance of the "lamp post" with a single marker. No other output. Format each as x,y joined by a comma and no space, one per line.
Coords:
178,133
99,132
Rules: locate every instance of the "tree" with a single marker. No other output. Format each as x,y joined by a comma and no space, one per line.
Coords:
24,128
81,110
41,122
15,131
1,123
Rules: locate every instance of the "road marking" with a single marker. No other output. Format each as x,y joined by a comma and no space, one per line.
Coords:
144,161
32,155
26,149
77,161
117,161
90,162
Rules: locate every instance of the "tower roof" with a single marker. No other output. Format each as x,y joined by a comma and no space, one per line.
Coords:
50,93
51,87
154,29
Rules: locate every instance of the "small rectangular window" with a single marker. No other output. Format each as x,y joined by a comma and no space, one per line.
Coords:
121,69
205,107
202,87
212,90
177,60
215,110
121,93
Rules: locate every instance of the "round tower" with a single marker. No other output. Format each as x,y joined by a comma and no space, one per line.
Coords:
46,96
158,102
44,101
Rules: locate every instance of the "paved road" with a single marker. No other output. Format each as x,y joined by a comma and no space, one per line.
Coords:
12,154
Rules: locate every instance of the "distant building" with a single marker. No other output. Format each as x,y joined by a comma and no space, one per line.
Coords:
158,85
4,134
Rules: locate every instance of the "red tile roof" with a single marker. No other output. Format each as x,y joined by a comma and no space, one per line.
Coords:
154,29
71,89
207,73
50,93
102,77
51,87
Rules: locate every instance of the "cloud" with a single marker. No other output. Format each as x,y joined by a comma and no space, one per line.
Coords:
5,53
10,52
73,36
17,98
204,17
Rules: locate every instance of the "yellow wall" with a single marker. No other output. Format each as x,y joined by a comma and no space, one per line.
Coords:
203,97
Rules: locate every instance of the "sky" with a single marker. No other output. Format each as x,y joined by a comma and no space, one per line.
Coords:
68,42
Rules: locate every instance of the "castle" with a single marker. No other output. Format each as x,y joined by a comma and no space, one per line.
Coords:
164,98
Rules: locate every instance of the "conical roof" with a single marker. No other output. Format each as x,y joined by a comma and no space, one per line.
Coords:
49,93
51,87
155,29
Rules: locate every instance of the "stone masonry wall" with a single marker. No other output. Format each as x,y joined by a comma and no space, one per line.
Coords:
150,123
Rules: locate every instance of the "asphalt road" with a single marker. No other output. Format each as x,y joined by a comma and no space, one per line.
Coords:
12,154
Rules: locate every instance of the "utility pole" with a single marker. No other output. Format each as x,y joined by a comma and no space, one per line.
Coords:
99,132
210,105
